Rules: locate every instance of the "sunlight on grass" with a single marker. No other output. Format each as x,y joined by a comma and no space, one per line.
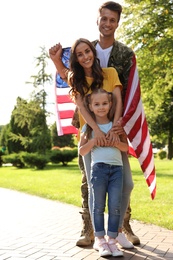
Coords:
60,183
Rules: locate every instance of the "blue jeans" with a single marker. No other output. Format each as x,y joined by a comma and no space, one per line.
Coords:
106,179
127,184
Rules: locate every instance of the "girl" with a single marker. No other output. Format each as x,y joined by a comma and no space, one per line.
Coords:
106,172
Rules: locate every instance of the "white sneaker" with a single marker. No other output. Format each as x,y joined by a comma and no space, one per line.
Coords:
114,249
123,241
102,246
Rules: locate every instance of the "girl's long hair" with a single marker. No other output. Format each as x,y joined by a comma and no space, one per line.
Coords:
87,101
77,78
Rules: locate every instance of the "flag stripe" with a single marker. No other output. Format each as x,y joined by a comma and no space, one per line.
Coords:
136,128
66,114
63,99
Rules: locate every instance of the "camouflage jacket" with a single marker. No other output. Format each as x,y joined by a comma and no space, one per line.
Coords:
121,59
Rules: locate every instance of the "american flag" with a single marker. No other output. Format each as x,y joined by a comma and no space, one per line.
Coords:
134,121
63,104
136,128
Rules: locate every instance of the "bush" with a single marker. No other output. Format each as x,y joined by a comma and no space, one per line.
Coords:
15,159
161,154
24,159
63,155
33,160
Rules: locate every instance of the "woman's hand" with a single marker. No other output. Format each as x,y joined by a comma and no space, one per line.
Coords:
55,52
100,137
112,138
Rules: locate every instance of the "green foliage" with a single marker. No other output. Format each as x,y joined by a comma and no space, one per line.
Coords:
34,160
63,155
28,130
15,159
27,160
61,141
148,29
161,154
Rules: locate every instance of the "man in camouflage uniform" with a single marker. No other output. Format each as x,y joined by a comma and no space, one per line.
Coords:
120,58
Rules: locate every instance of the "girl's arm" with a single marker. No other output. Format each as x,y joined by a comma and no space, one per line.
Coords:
55,54
123,144
85,145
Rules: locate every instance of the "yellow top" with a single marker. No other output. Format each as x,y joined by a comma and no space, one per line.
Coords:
110,82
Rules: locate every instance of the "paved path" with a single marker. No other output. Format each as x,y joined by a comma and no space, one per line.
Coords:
35,228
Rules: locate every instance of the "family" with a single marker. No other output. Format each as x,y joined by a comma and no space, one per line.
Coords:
98,77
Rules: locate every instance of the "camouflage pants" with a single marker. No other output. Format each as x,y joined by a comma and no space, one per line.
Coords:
84,186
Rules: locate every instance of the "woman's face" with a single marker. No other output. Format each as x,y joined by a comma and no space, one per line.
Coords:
84,55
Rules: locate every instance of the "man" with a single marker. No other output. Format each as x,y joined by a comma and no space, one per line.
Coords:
111,54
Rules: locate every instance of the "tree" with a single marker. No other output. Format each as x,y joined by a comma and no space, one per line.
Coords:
39,95
148,29
61,141
26,128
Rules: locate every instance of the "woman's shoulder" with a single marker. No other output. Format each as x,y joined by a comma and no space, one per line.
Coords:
109,71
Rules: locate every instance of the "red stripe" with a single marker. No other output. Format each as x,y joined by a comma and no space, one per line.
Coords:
144,130
131,151
151,177
130,80
66,114
148,158
63,99
134,103
135,128
153,194
69,130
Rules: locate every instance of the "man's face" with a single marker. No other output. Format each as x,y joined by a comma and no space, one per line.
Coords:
107,22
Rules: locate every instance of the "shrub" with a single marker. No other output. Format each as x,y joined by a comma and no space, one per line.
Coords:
161,154
15,159
63,155
33,160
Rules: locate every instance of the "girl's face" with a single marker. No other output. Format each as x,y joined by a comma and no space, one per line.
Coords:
100,104
84,55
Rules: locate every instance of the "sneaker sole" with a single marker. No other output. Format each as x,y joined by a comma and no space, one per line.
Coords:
118,254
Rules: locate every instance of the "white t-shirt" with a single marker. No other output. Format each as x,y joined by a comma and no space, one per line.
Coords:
109,155
103,55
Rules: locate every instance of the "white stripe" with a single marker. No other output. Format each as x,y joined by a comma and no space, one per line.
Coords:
145,149
66,122
129,125
134,86
66,106
62,91
149,168
153,185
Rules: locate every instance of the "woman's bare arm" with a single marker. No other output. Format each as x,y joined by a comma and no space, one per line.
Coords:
55,54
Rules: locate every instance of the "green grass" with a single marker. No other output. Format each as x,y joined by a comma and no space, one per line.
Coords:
63,184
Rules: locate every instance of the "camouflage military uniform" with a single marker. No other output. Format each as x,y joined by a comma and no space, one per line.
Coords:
121,59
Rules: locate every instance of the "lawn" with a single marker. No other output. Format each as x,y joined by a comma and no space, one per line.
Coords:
60,183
